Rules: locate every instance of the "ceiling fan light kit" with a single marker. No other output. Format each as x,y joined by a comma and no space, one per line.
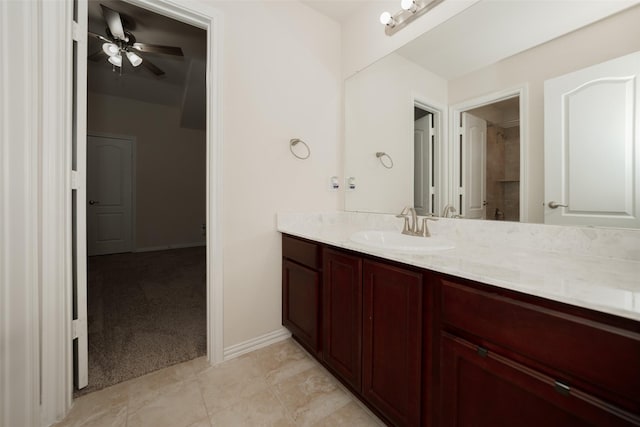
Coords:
110,49
116,60
119,42
134,59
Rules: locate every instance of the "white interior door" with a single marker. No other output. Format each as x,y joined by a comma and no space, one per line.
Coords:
592,128
474,166
109,195
423,186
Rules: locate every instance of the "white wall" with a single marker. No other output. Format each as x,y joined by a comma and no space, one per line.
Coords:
282,80
170,168
379,117
610,38
364,40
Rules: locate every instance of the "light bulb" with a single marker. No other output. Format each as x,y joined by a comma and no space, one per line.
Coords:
409,5
387,19
134,59
116,60
110,49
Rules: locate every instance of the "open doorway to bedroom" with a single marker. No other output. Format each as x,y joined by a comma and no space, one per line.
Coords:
146,193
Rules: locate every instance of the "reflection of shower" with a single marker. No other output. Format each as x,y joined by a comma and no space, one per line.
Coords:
499,131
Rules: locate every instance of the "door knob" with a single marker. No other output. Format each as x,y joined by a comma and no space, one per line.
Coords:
556,205
93,202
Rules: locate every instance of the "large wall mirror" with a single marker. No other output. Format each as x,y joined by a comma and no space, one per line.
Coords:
460,111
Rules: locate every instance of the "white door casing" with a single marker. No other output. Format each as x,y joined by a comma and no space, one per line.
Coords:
109,195
474,155
51,29
454,177
423,156
79,196
592,153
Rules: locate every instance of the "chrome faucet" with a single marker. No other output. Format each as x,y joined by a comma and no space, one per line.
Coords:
448,211
411,228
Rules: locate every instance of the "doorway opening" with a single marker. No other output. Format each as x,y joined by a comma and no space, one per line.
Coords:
426,155
146,197
489,161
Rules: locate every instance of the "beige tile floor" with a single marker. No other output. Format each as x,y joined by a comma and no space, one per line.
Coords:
279,385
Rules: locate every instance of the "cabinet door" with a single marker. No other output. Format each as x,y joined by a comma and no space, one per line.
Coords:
392,341
481,388
300,303
342,315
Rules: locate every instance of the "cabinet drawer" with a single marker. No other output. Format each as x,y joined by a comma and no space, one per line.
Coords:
486,389
600,354
302,251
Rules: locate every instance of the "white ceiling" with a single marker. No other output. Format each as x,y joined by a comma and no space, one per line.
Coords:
492,30
183,74
338,10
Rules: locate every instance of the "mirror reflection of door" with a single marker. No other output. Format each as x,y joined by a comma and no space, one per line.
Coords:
424,162
591,134
474,158
490,182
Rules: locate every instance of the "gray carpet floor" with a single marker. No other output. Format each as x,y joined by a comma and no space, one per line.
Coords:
146,311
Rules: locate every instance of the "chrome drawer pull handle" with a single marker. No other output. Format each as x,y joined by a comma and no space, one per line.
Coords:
561,388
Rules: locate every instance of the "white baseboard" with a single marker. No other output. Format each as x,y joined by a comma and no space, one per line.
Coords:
256,343
165,247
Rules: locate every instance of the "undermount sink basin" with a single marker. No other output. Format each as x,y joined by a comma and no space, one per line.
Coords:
396,241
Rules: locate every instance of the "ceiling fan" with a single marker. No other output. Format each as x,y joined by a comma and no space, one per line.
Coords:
119,43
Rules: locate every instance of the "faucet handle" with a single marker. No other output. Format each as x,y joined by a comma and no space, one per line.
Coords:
404,213
424,231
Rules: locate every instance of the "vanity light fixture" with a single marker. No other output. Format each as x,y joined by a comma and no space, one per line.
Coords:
411,9
387,19
409,5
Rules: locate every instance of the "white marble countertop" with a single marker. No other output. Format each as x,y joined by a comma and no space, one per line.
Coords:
593,268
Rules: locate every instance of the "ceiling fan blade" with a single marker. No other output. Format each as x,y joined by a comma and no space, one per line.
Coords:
151,67
96,56
99,37
154,48
114,22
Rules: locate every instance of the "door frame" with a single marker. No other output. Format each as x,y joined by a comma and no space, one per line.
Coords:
56,345
440,123
455,113
134,147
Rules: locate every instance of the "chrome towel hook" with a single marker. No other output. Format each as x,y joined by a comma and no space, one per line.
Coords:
293,143
381,155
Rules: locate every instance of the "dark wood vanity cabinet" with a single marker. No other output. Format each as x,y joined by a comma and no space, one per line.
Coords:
372,318
483,388
301,291
425,349
509,359
342,316
392,341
